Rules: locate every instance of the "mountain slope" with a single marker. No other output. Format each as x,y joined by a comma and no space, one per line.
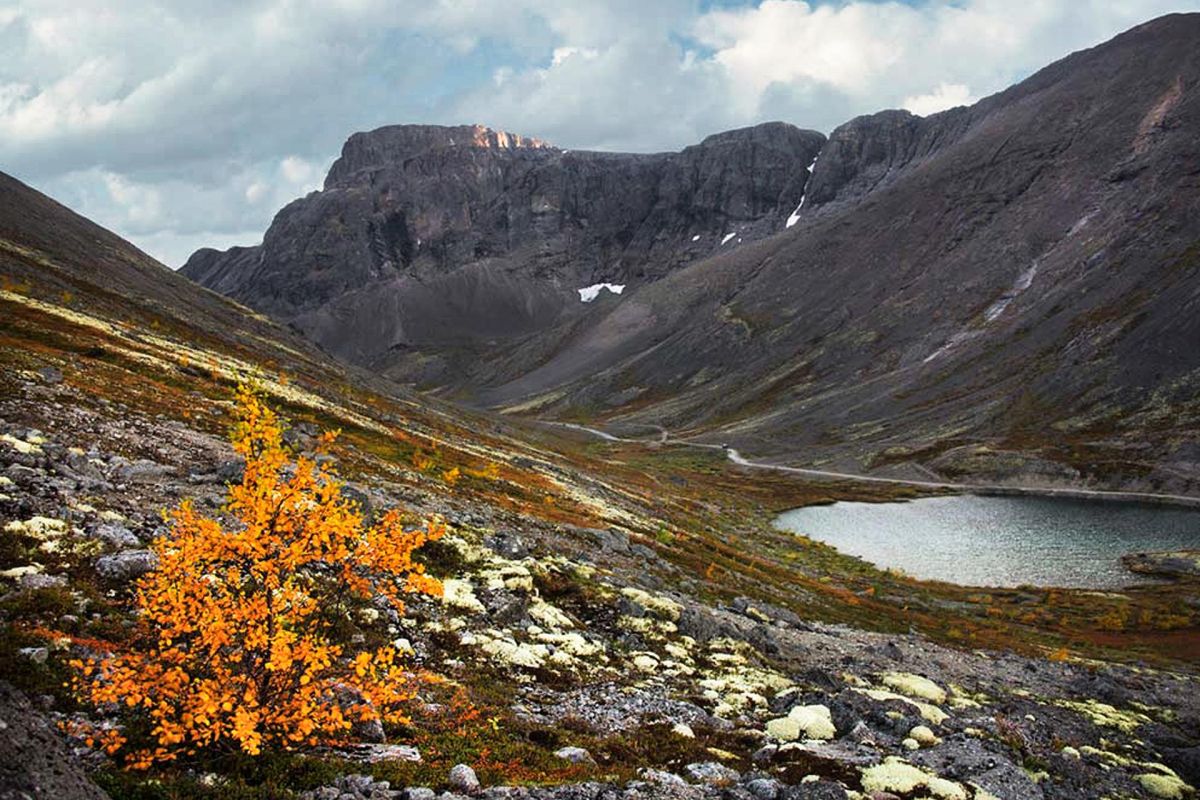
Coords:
1008,289
604,594
1005,291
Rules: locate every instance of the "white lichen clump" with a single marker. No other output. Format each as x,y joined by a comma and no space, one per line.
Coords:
807,722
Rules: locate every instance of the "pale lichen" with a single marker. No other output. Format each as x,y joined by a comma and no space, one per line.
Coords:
661,607
898,776
808,722
38,527
1105,715
928,712
915,686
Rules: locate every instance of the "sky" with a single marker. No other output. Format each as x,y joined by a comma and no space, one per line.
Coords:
180,124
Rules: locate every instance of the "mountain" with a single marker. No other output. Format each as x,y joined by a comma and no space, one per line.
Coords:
1005,291
621,619
429,246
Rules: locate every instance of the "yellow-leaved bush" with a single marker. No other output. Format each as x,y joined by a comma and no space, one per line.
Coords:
233,642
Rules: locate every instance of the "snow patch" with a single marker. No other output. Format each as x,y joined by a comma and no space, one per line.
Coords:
590,293
794,217
696,238
1023,281
728,236
1083,221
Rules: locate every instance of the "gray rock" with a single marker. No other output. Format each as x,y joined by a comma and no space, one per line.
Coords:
35,761
463,779
231,471
370,730
418,793
127,565
117,536
143,471
38,580
814,790
508,544
663,778
576,755
711,773
37,655
699,623
764,788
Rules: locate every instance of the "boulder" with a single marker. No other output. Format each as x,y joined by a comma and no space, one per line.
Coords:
576,755
35,761
127,565
711,773
116,536
462,779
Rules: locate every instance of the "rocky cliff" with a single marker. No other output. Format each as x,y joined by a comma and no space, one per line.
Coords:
432,238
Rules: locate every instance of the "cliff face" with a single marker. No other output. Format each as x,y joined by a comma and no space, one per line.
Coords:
425,235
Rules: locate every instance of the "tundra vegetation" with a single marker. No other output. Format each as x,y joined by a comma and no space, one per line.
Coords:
234,644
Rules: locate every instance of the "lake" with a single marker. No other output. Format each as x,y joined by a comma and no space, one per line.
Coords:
1001,541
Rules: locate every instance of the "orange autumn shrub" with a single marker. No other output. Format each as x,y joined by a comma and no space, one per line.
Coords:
233,646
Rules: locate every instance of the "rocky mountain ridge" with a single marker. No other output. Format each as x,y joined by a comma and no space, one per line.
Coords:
990,292
429,239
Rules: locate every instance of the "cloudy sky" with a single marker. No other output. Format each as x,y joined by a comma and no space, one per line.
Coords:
182,124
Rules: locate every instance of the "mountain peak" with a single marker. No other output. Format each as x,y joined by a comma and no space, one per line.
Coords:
394,143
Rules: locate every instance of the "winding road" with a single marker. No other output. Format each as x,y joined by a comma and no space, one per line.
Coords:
964,488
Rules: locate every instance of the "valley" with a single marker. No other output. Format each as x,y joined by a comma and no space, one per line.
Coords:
782,467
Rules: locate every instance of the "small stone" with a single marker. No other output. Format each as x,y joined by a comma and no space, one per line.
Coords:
463,779
911,744
36,580
368,730
813,788
418,793
764,788
37,655
127,565
356,783
711,773
116,535
576,755
684,730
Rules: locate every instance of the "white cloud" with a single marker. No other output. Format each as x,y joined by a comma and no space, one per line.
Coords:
300,173
170,120
946,95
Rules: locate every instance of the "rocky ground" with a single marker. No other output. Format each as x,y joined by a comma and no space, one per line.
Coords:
594,657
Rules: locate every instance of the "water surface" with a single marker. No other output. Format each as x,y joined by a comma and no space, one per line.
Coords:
1001,541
